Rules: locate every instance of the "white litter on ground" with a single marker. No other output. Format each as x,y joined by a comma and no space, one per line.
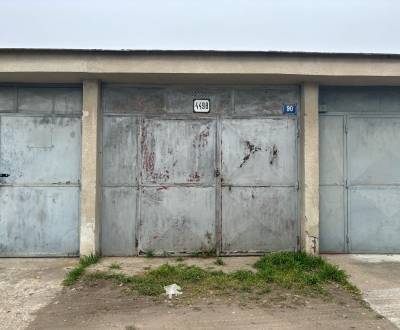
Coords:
171,290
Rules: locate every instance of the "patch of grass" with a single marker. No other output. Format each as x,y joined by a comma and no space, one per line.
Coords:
179,259
290,270
115,265
219,261
300,270
76,273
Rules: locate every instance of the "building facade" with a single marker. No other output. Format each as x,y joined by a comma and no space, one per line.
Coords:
122,153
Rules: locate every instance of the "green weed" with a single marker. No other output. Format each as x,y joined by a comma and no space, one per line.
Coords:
76,273
115,265
291,270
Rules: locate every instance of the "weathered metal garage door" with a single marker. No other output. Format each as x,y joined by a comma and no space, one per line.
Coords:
259,189
373,184
40,143
179,182
360,177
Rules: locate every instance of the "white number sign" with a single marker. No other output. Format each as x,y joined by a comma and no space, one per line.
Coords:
201,105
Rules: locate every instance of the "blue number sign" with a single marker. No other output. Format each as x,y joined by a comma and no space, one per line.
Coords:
290,109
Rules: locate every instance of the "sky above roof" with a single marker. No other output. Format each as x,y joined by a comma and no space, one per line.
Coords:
350,26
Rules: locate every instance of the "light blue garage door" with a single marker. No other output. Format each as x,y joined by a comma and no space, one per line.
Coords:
40,151
360,170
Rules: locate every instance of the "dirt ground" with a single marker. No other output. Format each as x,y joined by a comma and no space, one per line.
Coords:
134,266
103,305
28,284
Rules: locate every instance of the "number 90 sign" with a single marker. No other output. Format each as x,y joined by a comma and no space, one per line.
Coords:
289,109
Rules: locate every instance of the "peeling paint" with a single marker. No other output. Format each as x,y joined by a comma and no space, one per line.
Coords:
194,177
274,154
251,149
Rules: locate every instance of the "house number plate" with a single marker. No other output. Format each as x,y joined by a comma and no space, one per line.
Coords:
201,105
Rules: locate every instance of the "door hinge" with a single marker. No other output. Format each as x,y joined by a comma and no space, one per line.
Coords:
217,173
4,175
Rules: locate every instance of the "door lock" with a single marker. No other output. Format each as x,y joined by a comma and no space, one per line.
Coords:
4,175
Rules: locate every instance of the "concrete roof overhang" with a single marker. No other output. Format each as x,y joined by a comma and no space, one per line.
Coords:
196,67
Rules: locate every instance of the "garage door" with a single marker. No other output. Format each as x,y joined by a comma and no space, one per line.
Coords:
360,177
259,184
175,181
40,143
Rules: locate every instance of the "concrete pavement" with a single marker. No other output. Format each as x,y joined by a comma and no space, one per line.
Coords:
378,277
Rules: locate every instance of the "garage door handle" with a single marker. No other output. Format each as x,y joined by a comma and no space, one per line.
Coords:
4,175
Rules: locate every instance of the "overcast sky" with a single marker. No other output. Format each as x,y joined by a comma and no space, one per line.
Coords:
368,26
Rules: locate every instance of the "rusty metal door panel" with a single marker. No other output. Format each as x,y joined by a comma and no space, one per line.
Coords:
374,214
178,151
374,157
264,101
38,150
256,219
259,178
119,151
332,213
259,151
177,219
39,221
118,222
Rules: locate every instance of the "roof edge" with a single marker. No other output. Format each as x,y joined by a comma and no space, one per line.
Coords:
196,52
